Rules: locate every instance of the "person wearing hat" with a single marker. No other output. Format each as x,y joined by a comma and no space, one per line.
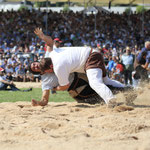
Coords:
57,43
50,43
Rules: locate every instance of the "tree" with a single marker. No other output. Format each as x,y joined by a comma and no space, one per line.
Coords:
66,8
23,7
140,9
128,11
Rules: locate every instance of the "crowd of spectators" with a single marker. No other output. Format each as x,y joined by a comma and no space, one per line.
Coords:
114,33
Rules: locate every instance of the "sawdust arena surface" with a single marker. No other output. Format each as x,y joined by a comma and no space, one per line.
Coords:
73,126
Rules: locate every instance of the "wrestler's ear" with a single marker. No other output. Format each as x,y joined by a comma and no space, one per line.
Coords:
51,66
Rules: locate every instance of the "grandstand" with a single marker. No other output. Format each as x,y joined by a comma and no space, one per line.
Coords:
107,29
97,2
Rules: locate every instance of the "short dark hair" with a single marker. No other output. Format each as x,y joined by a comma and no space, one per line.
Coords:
45,64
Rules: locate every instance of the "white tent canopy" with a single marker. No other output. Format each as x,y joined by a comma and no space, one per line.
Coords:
95,10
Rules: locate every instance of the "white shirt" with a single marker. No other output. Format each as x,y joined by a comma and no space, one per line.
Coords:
2,78
127,59
67,60
47,54
49,81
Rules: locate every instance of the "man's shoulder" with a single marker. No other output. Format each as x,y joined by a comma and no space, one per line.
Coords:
124,55
143,49
48,76
1,78
148,54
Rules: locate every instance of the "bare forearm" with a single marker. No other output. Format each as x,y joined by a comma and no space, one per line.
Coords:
45,97
48,40
61,88
145,66
43,101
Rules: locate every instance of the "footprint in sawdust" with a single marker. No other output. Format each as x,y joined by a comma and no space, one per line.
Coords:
24,106
122,108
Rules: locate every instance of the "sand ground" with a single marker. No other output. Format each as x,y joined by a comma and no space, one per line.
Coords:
73,126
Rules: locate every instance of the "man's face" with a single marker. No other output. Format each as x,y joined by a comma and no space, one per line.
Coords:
128,51
35,66
148,47
57,44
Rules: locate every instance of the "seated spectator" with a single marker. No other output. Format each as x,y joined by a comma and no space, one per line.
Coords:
12,60
34,50
1,50
118,72
110,66
26,63
5,83
41,52
29,76
1,60
4,64
20,74
9,76
9,69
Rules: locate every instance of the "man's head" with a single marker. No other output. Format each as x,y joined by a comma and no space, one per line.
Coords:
2,71
147,45
128,50
34,67
57,42
45,65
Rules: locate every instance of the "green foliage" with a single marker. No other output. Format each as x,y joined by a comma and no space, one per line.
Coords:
36,93
86,5
140,9
57,4
23,7
37,4
128,11
42,4
78,4
66,8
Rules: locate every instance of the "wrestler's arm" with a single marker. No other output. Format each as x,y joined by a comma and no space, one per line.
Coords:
61,88
47,39
145,65
48,48
49,81
44,99
147,62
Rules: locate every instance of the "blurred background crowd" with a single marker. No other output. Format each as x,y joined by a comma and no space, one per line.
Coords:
115,35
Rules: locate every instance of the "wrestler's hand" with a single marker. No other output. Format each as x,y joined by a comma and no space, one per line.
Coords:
35,103
39,32
38,103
